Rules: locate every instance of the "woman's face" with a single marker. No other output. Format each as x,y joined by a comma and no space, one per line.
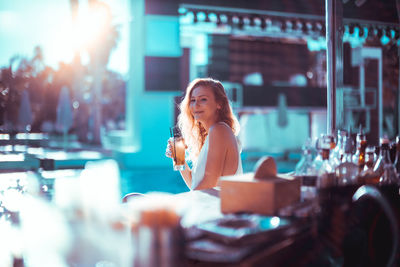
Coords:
203,105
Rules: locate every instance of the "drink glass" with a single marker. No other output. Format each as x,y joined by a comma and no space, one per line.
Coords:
178,149
369,158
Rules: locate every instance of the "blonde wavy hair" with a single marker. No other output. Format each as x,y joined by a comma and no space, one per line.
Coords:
193,132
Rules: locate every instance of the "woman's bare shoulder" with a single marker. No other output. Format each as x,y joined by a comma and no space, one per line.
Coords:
221,130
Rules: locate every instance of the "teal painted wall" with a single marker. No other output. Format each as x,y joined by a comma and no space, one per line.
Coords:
156,117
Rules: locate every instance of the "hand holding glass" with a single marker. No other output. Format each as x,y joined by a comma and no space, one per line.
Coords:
177,146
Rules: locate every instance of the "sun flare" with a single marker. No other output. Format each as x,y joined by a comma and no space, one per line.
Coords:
82,34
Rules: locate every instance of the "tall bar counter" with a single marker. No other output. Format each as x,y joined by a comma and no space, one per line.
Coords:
347,226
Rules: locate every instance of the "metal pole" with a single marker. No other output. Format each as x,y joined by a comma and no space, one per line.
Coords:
398,95
334,58
380,90
398,86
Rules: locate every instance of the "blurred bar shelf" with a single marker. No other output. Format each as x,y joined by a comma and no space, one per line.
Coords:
38,151
18,161
39,140
31,139
54,160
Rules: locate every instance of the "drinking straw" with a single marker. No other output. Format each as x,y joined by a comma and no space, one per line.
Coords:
173,138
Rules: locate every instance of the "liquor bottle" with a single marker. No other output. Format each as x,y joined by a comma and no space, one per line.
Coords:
384,167
325,141
325,173
306,171
347,171
336,154
397,158
369,158
367,175
305,165
359,156
317,162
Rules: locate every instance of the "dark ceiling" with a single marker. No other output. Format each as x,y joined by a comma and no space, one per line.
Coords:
375,10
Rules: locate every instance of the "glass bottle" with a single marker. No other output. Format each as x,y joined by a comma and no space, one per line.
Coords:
367,175
325,173
317,162
305,165
359,156
369,158
384,168
397,158
306,171
325,141
347,171
337,152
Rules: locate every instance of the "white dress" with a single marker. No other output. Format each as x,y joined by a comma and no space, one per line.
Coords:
200,166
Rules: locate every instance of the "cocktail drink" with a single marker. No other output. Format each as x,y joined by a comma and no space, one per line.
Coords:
178,149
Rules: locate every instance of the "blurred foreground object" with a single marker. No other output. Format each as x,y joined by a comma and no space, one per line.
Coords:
91,205
157,234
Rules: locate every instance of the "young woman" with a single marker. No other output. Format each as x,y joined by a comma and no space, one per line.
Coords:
209,129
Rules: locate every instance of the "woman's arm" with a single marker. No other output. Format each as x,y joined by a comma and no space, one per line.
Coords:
187,175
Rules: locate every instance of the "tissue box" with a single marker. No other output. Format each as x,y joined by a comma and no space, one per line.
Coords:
244,193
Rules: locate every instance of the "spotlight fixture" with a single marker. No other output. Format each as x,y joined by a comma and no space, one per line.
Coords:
309,26
389,32
317,26
235,19
201,15
246,21
269,22
289,25
298,25
182,11
304,27
386,36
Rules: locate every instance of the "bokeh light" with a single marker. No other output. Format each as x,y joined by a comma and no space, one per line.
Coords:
48,24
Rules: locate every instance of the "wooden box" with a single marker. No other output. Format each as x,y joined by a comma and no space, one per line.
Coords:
244,193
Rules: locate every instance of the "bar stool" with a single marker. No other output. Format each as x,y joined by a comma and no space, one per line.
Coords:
131,196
